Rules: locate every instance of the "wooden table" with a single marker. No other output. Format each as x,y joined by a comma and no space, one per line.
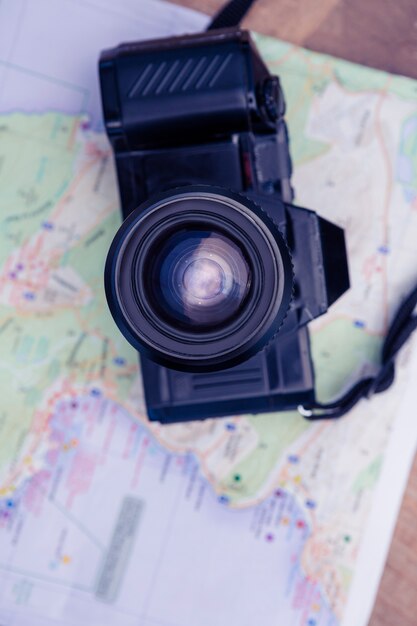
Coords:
381,34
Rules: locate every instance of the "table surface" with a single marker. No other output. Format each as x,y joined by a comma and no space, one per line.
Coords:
381,34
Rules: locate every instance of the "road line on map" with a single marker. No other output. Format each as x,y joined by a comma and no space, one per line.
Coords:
388,193
54,581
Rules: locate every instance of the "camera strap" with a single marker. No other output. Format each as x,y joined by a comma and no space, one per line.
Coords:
231,14
402,326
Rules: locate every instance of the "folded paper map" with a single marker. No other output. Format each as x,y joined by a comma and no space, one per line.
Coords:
251,520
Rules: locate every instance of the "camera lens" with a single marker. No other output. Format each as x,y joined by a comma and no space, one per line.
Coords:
198,279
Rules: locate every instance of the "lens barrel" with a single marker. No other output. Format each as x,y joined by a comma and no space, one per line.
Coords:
198,278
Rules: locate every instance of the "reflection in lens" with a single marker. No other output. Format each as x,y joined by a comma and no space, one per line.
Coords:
203,279
198,278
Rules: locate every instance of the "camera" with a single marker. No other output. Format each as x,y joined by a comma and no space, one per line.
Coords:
214,274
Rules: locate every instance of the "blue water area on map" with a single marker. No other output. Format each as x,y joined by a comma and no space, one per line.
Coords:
406,165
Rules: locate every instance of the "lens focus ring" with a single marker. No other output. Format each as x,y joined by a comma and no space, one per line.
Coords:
199,279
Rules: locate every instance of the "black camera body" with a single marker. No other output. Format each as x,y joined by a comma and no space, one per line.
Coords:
214,274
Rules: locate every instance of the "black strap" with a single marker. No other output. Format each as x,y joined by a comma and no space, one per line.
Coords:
403,325
231,14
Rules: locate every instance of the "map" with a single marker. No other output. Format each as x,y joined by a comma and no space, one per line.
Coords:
266,520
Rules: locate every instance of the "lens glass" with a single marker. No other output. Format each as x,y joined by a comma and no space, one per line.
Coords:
197,277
